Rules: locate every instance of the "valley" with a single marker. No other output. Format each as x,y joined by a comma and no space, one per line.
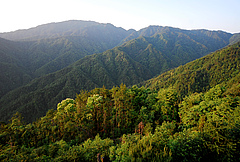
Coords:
77,90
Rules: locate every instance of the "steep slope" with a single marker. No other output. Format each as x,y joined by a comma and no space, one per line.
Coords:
201,74
133,62
206,37
162,52
203,126
49,55
110,68
235,38
51,47
13,73
62,29
170,47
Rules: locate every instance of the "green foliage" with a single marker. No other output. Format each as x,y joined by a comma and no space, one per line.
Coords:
61,55
151,147
167,104
202,74
95,147
13,72
48,48
101,124
215,115
188,145
187,120
66,109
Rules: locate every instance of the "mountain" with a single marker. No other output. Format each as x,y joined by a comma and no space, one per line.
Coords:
202,74
191,113
13,72
202,36
109,68
235,38
134,61
66,28
51,47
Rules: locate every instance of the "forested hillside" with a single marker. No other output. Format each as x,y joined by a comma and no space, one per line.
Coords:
13,72
88,29
157,50
201,74
219,38
51,47
191,113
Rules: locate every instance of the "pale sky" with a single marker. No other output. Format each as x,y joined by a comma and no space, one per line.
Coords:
136,14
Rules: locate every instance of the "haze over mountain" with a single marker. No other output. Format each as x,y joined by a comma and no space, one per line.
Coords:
191,113
13,72
60,48
51,47
88,29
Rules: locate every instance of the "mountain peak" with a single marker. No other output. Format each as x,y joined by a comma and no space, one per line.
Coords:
53,30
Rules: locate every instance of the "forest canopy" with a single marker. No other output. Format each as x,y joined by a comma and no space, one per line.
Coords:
130,124
190,113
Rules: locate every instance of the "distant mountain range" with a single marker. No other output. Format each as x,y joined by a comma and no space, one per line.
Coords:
43,65
86,29
51,47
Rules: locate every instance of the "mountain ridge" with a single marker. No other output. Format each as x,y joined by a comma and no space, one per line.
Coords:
54,30
187,109
133,62
43,56
154,51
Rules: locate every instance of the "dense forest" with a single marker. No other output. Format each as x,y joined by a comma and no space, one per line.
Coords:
191,113
51,47
43,65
